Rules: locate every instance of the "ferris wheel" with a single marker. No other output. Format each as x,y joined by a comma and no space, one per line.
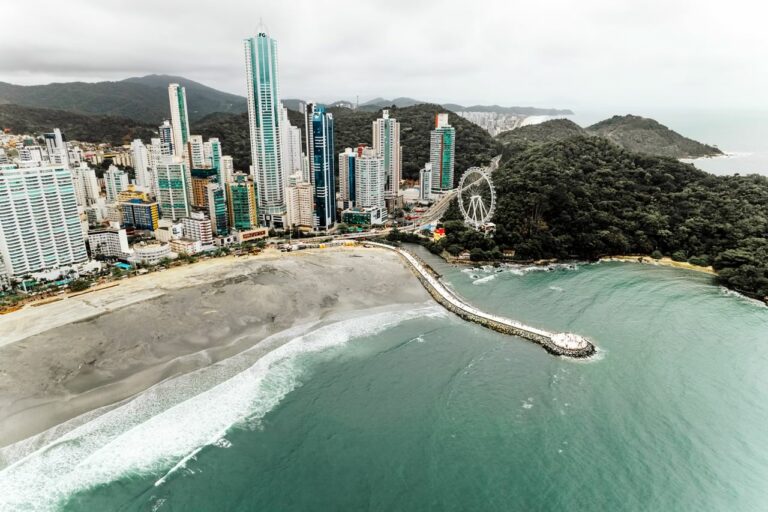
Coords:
477,197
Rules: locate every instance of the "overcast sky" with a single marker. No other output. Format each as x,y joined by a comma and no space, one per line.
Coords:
548,53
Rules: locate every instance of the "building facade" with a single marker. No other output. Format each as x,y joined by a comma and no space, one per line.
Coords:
442,154
198,227
425,182
347,177
39,220
141,164
172,189
241,204
322,165
386,142
115,181
177,99
264,111
138,214
109,243
300,201
370,179
217,209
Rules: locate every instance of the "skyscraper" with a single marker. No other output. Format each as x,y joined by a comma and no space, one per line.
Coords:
308,109
115,181
226,170
167,147
196,152
386,141
299,202
291,146
172,189
217,209
241,204
58,152
347,177
370,179
425,182
441,154
177,98
39,221
264,119
322,165
212,153
141,164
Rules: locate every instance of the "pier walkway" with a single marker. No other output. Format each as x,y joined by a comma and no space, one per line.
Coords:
562,344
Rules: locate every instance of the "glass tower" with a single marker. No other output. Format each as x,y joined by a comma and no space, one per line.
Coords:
441,154
322,166
264,119
177,98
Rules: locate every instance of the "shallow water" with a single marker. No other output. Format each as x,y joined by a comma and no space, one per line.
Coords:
418,410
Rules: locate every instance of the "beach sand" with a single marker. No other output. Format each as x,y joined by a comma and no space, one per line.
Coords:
65,358
663,262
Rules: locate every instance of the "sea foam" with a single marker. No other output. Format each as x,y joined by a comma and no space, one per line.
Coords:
115,444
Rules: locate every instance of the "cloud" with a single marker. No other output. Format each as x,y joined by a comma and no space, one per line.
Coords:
558,53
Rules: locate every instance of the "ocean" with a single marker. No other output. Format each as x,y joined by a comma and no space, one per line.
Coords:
741,134
413,409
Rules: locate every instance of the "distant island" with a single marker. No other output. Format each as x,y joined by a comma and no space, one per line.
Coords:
633,133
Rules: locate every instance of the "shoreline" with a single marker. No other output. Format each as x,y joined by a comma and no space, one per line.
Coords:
663,262
66,358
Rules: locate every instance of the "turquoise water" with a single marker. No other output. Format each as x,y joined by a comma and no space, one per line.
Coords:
418,410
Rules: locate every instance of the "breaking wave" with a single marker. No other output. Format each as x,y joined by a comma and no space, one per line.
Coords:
155,432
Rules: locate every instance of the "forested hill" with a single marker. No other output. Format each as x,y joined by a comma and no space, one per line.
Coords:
474,146
585,197
633,133
645,135
88,128
144,99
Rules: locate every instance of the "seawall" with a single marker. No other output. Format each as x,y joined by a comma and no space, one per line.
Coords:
561,344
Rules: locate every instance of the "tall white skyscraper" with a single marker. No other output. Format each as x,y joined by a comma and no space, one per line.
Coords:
58,152
425,182
264,119
370,179
291,145
227,169
39,220
212,153
115,181
386,141
347,176
196,149
86,185
177,98
141,164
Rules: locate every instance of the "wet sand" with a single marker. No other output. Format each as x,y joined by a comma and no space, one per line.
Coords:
60,360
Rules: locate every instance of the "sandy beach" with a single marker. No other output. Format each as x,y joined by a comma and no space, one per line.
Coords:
663,262
65,358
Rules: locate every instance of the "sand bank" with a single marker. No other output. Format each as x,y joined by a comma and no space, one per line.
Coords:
62,359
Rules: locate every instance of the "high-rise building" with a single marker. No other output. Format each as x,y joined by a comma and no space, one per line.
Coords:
309,108
196,152
115,181
291,145
241,203
167,146
370,179
441,154
141,164
138,214
299,202
212,153
177,98
217,209
111,242
39,220
227,169
425,182
173,189
58,152
264,119
322,164
200,191
347,177
86,184
198,227
386,141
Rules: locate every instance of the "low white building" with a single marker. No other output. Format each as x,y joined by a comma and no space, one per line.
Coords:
151,253
186,246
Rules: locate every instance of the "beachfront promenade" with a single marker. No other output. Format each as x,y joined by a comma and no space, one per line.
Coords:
563,344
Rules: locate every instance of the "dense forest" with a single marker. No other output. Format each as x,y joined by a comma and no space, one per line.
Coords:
585,197
82,127
474,146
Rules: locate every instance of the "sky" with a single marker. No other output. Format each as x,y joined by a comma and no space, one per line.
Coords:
580,54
